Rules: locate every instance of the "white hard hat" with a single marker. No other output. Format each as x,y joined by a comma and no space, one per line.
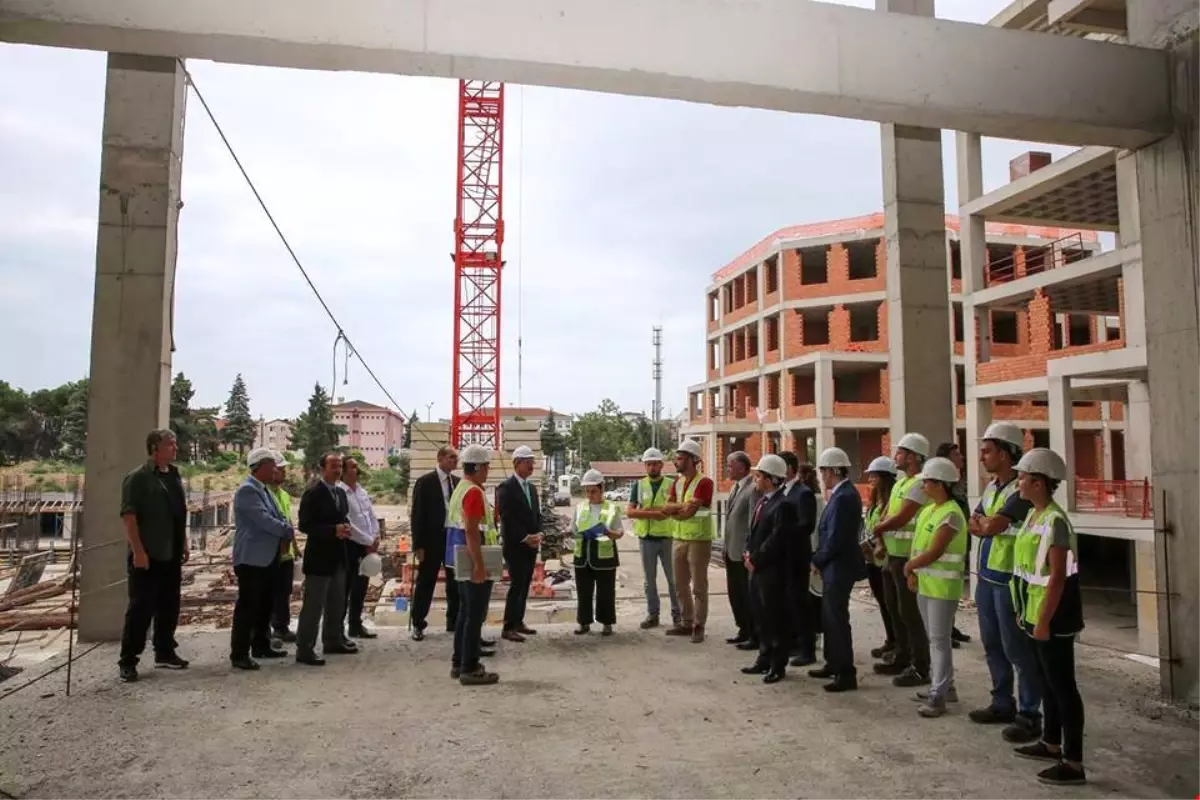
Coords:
1042,461
691,447
522,452
652,454
280,460
833,458
475,454
1005,432
592,478
371,565
916,443
940,469
772,464
882,464
260,454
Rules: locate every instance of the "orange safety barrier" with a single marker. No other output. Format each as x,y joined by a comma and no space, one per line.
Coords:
1125,498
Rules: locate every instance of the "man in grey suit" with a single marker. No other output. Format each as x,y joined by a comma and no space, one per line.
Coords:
259,530
739,505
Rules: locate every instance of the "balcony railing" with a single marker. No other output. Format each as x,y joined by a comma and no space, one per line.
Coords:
1122,498
1053,255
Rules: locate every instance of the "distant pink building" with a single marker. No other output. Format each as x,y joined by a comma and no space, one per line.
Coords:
374,430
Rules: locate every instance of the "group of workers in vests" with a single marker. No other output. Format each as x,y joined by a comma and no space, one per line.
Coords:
913,530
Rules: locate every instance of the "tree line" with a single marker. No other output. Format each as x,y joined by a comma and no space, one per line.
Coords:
606,434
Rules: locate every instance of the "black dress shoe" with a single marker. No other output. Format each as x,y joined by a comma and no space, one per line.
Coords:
747,645
757,668
271,653
802,660
310,659
842,683
129,674
339,650
823,672
244,662
172,661
512,636
285,636
525,630
349,644
363,633
487,642
774,676
741,637
418,635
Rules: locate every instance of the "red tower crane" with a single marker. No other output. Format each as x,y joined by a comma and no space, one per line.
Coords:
478,262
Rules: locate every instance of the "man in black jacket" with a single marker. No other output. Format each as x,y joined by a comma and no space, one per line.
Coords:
770,548
324,519
520,535
804,626
430,497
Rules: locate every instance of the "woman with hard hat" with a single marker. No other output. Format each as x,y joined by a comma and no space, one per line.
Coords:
597,528
770,549
935,571
881,477
1046,596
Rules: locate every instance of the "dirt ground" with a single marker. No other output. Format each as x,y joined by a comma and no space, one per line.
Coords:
632,716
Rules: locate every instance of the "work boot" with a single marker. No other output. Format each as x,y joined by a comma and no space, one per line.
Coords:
651,621
698,634
1024,729
923,696
991,716
883,651
478,677
911,677
244,662
606,630
932,708
679,629
129,673
846,682
958,636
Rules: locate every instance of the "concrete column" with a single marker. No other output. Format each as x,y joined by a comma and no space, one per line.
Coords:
1106,466
823,388
918,297
972,239
140,165
1062,436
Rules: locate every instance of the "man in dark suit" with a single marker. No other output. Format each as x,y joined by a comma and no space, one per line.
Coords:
799,494
520,536
768,558
430,497
324,519
840,562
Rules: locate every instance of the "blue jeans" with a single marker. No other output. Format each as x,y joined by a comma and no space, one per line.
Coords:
468,628
1006,646
654,552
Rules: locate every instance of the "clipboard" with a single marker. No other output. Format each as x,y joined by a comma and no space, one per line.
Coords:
493,562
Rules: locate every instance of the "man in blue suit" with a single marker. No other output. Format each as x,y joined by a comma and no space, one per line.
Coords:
259,530
839,560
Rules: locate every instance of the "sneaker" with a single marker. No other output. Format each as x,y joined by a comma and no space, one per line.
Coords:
1023,729
1038,751
679,629
923,696
649,622
911,677
932,710
1063,774
991,716
172,661
883,651
478,677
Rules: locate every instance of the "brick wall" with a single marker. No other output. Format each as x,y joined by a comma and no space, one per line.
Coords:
837,265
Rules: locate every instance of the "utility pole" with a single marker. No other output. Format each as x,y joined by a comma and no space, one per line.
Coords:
656,412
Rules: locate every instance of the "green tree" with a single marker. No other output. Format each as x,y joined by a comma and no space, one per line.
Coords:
14,423
552,441
239,425
408,430
180,416
206,439
603,435
47,411
74,429
315,432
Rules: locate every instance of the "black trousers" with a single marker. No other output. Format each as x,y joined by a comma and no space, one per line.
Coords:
422,598
1062,706
773,617
521,561
252,611
474,599
804,620
737,586
875,578
281,604
356,585
835,619
912,645
600,584
153,596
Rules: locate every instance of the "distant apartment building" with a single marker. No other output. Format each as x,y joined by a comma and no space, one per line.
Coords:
562,421
275,434
375,431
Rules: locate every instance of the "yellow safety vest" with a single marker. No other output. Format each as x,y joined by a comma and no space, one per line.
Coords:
1031,571
702,525
899,543
456,531
874,514
283,501
943,579
599,552
1000,551
648,498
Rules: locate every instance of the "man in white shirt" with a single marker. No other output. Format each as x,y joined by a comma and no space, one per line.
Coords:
364,538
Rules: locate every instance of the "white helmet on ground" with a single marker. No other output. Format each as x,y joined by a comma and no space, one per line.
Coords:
916,443
592,478
1042,461
940,469
882,464
652,454
522,452
772,465
371,565
691,447
1005,432
475,454
833,458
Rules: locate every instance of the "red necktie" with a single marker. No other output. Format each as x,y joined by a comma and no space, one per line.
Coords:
758,510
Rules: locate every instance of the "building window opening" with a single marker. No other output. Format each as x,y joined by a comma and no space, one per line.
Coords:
955,260
1079,330
1004,327
771,267
816,328
1112,328
814,265
959,332
864,323
772,328
861,259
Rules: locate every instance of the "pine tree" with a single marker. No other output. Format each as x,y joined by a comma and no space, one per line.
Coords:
408,430
74,429
315,432
180,416
239,425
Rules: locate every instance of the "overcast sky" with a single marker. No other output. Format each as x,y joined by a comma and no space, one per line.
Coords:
618,210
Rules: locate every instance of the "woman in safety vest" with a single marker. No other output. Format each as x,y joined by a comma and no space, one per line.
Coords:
1046,597
597,528
935,572
881,477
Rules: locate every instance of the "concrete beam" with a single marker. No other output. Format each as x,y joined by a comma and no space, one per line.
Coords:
1087,16
1080,164
1127,363
1101,265
791,55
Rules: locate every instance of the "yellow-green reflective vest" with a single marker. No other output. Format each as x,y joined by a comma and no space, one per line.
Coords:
874,514
701,526
943,579
456,532
283,501
1000,551
648,498
1031,569
599,552
899,543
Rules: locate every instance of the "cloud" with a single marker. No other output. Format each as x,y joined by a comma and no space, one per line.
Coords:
618,211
